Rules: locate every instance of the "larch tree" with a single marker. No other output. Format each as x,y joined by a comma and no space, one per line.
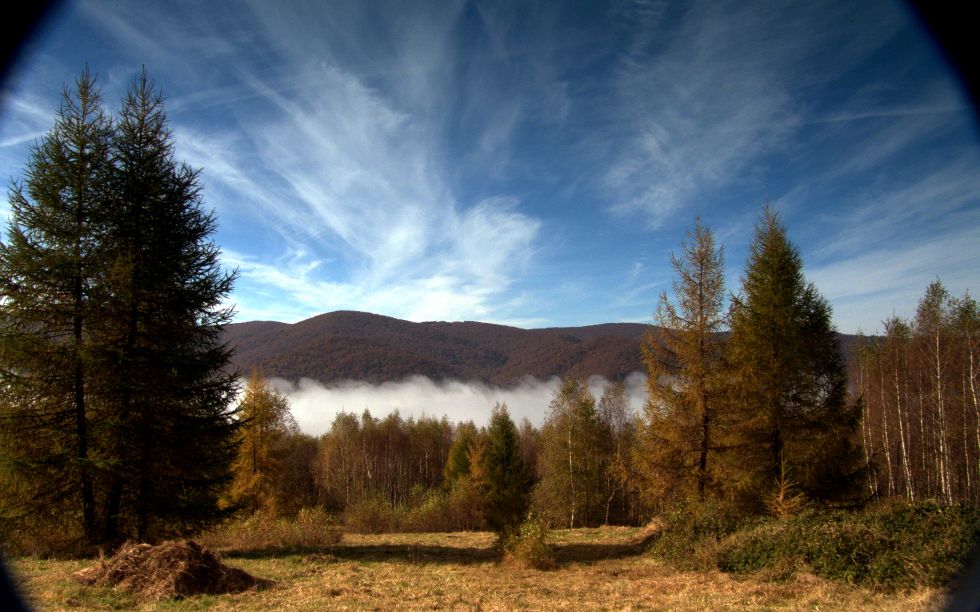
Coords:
788,382
160,326
685,375
266,427
48,266
112,310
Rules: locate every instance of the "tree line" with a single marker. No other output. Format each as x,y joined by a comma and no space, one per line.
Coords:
921,422
389,473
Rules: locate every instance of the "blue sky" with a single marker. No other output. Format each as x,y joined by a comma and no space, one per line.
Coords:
536,163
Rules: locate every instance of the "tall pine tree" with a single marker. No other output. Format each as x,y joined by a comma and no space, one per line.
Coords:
49,267
505,477
117,415
789,384
160,329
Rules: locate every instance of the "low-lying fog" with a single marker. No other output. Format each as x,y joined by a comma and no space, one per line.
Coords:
314,405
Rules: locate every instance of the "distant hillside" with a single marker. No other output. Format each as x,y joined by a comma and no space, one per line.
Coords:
348,345
361,346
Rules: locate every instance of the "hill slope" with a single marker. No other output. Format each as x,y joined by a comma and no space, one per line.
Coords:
347,345
361,346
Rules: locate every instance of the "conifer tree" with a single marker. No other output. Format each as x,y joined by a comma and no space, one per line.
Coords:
111,304
458,461
266,428
48,266
788,380
504,474
165,375
685,377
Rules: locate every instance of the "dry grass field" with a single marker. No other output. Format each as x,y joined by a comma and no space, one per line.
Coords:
596,569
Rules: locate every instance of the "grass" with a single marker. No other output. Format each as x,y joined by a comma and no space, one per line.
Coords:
594,568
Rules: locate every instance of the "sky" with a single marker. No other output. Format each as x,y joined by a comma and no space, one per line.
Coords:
536,164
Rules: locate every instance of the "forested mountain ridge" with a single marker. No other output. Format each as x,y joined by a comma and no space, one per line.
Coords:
348,345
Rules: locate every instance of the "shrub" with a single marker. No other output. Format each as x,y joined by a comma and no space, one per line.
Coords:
527,545
785,499
690,534
432,513
42,534
889,546
372,514
458,509
311,528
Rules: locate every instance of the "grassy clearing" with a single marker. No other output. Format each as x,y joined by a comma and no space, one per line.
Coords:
594,568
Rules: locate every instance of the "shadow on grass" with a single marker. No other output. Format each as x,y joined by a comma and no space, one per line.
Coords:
564,554
409,553
590,553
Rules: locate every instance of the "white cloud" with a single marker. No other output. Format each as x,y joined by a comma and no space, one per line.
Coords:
708,102
702,111
349,170
315,405
868,287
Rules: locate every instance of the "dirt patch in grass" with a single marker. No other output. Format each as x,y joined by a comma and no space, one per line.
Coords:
170,570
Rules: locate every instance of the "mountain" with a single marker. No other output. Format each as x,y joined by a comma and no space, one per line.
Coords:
347,345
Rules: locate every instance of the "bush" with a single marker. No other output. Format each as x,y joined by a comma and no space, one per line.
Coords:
690,534
897,545
42,534
458,509
527,545
372,514
311,528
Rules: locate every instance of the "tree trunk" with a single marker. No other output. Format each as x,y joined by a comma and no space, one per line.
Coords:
909,492
884,428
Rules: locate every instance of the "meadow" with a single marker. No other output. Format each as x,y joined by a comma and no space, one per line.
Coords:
598,568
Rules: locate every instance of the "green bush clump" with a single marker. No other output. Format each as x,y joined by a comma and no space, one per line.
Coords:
690,534
527,545
460,508
894,545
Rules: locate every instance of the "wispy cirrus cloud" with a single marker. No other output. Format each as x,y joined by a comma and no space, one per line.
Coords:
870,286
511,161
341,165
719,101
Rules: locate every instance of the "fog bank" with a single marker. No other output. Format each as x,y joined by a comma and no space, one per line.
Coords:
314,405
